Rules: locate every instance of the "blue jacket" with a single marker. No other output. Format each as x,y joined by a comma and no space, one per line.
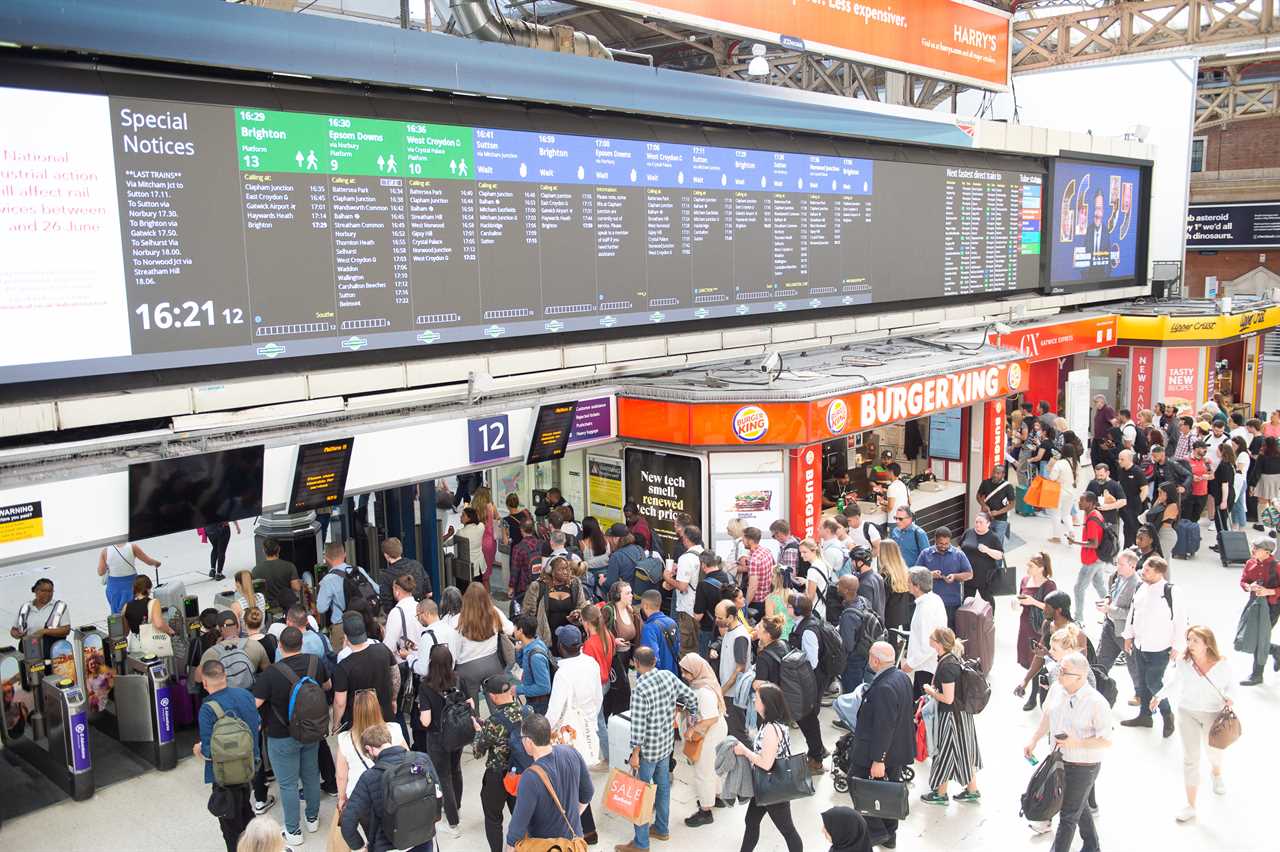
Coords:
651,636
911,541
330,599
535,670
234,702
952,562
622,566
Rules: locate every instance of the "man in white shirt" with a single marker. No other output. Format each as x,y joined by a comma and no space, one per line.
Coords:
403,630
1155,634
833,552
560,547
861,533
930,614
1128,429
1214,440
576,693
434,632
1078,717
892,494
682,578
1239,429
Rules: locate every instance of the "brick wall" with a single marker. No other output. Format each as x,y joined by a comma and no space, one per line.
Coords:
1227,265
1242,145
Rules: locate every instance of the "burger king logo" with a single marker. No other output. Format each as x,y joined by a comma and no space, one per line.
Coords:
750,423
1015,376
837,416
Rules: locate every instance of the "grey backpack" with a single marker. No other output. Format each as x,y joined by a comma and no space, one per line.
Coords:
236,662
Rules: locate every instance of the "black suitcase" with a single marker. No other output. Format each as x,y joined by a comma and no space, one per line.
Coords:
1233,548
882,799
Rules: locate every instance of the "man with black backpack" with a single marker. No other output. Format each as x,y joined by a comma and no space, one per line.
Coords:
808,636
660,632
860,628
713,587
1156,633
297,723
340,584
396,801
498,742
228,746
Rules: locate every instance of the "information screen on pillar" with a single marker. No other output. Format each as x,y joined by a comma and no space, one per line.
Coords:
320,477
143,234
551,430
191,492
1097,227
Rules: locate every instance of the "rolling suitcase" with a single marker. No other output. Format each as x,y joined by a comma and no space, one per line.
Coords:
1233,548
976,628
1187,544
620,741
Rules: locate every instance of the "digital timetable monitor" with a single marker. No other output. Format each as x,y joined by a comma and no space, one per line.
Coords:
551,430
142,233
320,476
1097,223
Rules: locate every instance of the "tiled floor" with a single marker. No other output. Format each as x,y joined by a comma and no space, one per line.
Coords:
1140,788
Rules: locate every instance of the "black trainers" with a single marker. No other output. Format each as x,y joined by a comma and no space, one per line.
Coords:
1275,658
1138,722
702,817
1167,730
1255,679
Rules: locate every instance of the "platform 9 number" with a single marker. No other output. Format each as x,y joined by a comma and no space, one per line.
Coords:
488,439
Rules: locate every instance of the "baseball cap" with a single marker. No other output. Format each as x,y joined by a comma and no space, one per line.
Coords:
619,530
227,617
353,627
1265,544
568,636
497,684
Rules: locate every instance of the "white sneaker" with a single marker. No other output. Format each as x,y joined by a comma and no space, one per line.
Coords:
293,841
455,831
1186,814
1041,826
1219,786
263,807
313,825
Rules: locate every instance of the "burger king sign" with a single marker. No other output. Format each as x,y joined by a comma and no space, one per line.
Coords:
750,423
837,416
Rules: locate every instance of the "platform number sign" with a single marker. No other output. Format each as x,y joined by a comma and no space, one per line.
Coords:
489,438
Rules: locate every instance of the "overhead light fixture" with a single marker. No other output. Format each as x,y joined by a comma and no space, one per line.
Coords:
292,74
758,66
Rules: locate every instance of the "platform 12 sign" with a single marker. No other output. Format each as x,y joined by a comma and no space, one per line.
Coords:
488,439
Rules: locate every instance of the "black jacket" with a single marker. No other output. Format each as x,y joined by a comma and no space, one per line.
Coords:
364,808
886,725
1171,471
389,574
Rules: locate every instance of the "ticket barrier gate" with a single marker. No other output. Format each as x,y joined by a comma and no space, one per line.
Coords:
144,710
66,711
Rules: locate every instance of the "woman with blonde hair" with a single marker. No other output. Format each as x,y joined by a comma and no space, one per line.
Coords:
737,548
1202,683
350,762
487,515
776,602
898,602
956,755
481,626
262,834
246,597
711,729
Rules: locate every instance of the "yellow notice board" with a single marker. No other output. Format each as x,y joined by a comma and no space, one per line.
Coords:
21,521
604,489
1190,330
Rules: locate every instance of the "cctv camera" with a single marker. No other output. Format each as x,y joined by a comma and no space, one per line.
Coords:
771,363
479,385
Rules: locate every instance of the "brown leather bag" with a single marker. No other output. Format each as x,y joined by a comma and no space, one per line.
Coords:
552,844
1226,725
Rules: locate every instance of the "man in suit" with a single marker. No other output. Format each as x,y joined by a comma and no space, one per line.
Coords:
884,740
1097,243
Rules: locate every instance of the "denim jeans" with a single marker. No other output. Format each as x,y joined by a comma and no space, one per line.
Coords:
855,672
1080,778
1239,515
602,726
1151,666
658,772
1109,648
705,638
1095,574
292,760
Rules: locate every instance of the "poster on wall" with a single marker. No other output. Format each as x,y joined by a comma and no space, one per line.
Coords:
662,485
604,489
944,435
1181,375
754,499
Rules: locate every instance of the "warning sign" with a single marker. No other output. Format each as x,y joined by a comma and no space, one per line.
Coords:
21,522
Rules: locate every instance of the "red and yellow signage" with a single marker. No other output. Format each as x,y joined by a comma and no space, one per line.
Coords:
792,423
1143,360
806,491
1190,331
993,437
1181,375
1060,339
960,40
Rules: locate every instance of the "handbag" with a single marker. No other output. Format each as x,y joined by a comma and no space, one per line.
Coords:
1044,493
1225,728
692,749
1032,495
149,640
880,798
787,779
574,843
629,797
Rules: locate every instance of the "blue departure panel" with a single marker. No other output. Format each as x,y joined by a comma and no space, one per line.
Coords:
248,233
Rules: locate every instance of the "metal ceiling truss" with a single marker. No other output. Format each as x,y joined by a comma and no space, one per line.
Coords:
813,73
1126,28
1235,99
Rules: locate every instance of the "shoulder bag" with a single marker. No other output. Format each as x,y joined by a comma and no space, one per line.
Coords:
787,779
574,843
1225,728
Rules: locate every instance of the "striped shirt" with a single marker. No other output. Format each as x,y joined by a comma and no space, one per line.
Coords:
1081,716
653,708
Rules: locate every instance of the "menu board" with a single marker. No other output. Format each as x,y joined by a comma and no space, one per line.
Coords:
151,234
320,477
551,430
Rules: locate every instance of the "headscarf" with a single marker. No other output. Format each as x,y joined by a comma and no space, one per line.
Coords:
848,830
701,675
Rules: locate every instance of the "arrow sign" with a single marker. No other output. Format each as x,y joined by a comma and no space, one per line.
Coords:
848,300
779,306
657,316
815,303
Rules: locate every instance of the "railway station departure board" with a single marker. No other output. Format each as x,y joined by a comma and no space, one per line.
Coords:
147,234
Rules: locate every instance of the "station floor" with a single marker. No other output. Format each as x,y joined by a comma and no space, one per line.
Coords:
1139,790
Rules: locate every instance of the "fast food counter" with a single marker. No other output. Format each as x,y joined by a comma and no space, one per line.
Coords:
944,507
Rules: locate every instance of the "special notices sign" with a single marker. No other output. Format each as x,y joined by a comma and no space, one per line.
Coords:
663,485
21,521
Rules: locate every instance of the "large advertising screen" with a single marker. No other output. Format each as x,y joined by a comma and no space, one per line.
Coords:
962,40
1248,225
143,234
1096,229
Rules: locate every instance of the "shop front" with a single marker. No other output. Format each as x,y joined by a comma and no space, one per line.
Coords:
1055,349
1186,359
778,449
